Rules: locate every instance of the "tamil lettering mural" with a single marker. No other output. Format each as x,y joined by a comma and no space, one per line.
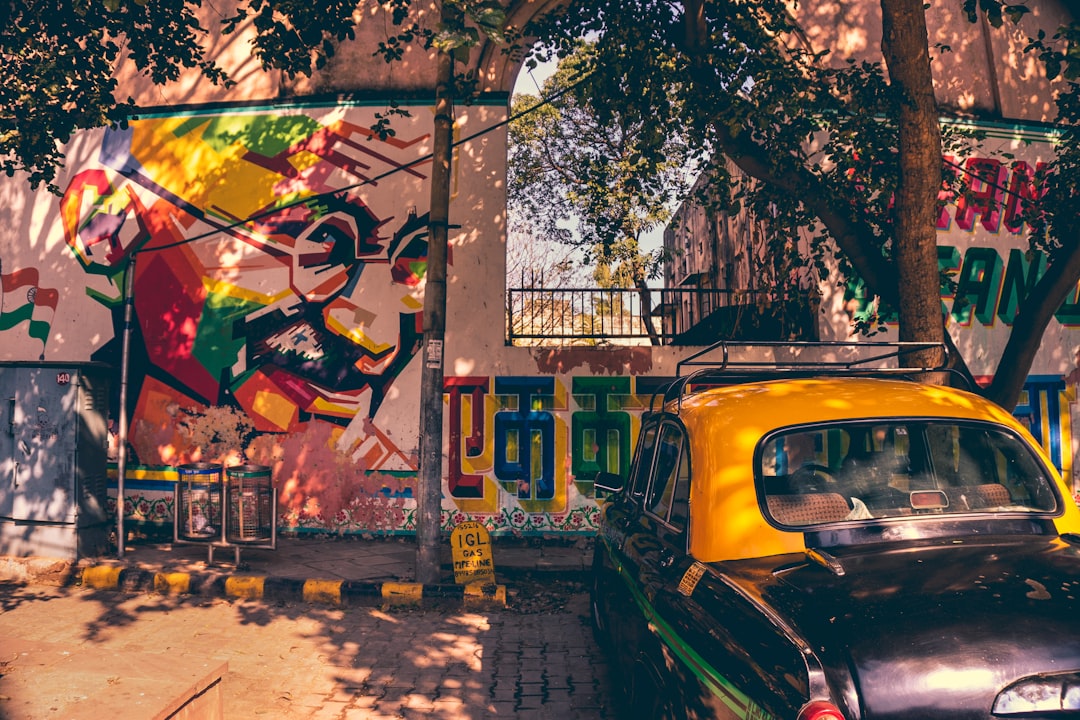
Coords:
523,451
1044,408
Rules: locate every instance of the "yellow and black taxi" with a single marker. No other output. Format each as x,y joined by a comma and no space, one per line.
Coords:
838,545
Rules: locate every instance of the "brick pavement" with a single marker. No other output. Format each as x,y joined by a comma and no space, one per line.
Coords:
531,660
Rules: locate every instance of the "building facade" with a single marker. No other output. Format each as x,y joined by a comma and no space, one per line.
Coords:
275,251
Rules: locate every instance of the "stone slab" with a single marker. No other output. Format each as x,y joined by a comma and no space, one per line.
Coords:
43,680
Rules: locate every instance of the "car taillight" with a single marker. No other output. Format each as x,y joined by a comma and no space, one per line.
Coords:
820,710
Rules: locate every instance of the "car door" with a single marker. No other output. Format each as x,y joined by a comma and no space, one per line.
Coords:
616,565
664,513
665,518
656,552
713,652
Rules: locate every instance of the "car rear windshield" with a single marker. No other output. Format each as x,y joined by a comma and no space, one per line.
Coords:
863,471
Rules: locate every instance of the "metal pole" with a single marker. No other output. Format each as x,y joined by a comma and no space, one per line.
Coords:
122,430
429,478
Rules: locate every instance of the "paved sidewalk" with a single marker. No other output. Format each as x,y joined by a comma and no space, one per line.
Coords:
73,647
336,570
80,653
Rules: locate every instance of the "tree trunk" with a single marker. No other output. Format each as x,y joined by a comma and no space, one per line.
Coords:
904,45
1029,326
429,475
910,282
645,293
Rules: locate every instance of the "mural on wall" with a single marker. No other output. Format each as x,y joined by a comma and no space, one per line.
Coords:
276,263
983,244
523,452
24,300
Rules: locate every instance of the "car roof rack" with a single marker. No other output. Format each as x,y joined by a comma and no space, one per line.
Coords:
717,364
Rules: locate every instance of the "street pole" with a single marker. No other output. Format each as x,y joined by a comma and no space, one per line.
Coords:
429,477
122,427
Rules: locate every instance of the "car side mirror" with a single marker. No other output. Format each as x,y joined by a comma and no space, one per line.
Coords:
608,482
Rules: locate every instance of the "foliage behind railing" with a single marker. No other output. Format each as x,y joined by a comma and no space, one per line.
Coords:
675,316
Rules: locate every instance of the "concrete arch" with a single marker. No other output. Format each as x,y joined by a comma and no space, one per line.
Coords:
497,69
986,73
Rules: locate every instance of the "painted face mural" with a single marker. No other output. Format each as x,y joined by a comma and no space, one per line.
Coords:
276,287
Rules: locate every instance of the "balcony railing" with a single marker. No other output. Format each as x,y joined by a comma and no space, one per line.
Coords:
668,316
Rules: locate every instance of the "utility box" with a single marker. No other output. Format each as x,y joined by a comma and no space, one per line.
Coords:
53,459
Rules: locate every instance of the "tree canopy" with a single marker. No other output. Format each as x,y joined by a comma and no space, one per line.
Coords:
852,151
61,57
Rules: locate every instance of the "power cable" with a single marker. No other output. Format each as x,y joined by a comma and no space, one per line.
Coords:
991,183
578,80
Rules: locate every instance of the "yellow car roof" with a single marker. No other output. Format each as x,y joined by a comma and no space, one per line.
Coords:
725,425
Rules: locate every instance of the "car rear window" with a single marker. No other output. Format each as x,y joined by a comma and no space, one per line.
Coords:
870,470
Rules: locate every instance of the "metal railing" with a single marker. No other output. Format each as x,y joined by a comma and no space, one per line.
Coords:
666,316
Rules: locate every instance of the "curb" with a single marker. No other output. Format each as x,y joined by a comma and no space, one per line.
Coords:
271,589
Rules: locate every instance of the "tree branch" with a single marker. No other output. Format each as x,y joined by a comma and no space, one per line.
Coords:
850,234
1030,324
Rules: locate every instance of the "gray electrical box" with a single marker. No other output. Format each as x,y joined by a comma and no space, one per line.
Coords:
53,459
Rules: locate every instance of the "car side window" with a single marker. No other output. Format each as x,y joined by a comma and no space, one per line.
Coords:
671,472
639,475
680,504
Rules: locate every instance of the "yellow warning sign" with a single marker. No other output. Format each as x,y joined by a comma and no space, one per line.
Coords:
470,545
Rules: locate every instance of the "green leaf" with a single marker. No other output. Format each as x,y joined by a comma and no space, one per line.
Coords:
1016,13
1053,68
449,40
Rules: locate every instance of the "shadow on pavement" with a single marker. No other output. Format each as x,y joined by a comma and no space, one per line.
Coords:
536,658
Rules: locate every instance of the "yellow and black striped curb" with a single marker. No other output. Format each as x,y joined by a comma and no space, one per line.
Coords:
271,589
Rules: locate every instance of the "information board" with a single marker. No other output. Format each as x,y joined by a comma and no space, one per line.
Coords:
470,544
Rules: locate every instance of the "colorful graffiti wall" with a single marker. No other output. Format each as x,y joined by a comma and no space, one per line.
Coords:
275,262
523,452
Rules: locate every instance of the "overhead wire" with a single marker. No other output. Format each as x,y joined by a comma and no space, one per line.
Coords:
577,80
991,183
314,198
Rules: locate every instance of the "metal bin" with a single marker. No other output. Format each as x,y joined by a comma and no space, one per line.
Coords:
250,515
199,509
